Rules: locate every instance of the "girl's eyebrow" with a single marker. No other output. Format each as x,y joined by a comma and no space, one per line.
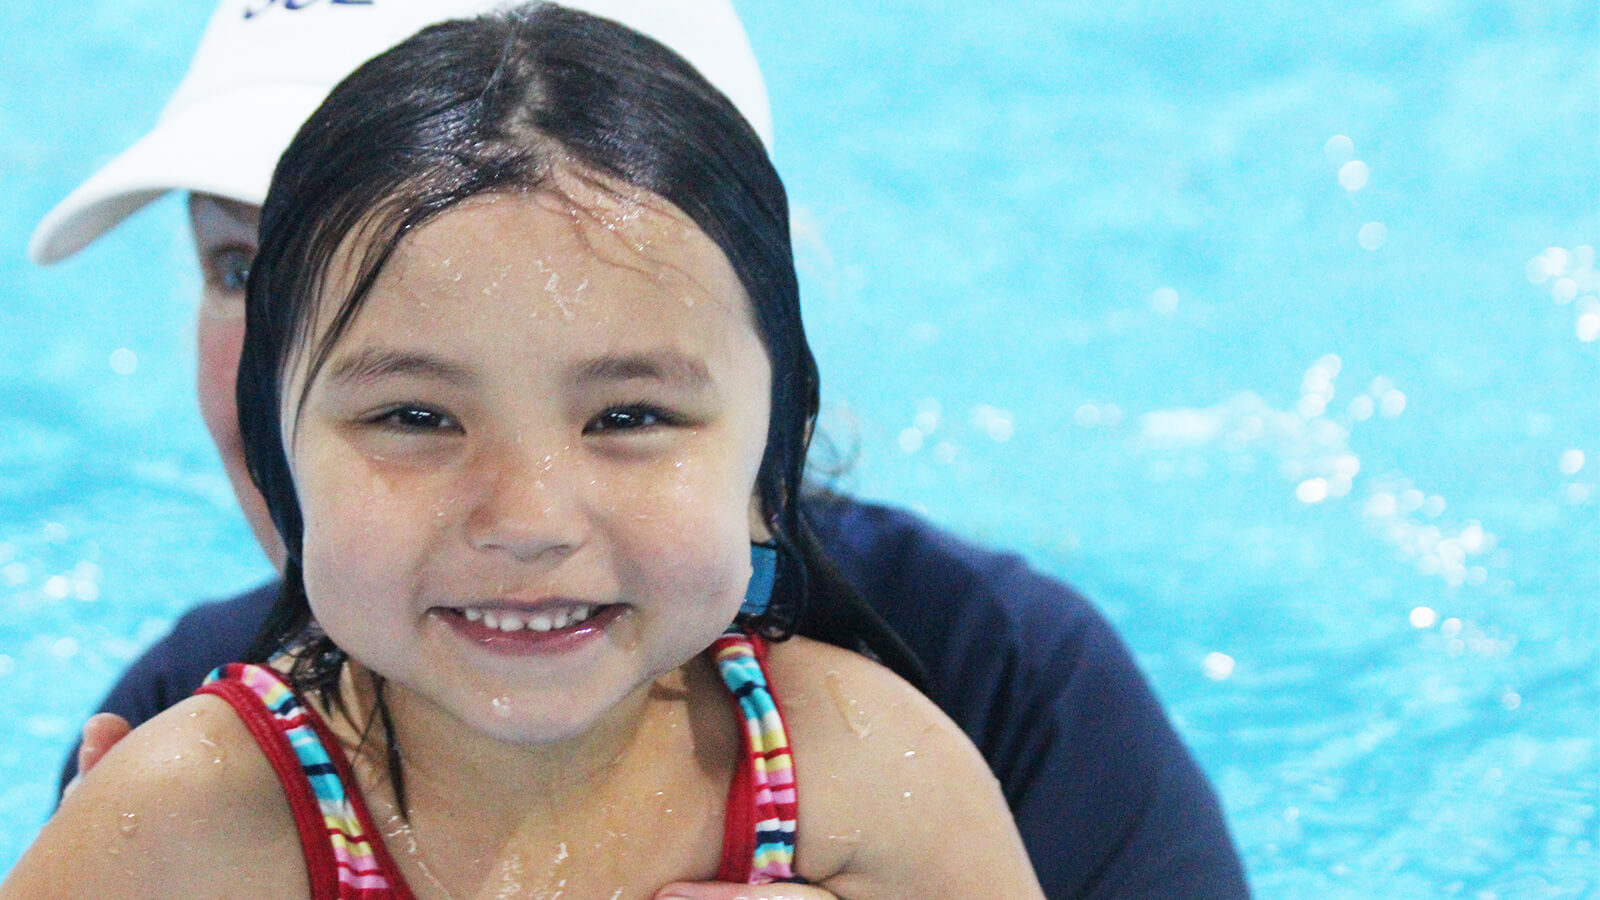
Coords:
663,365
372,363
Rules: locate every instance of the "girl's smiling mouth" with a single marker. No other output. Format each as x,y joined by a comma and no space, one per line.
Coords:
549,628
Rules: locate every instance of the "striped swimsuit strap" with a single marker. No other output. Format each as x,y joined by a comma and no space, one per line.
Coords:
769,765
336,832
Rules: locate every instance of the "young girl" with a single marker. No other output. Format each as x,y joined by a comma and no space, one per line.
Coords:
526,391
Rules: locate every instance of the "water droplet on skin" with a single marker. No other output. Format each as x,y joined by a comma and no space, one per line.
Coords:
129,824
625,631
911,754
217,753
849,707
501,707
905,797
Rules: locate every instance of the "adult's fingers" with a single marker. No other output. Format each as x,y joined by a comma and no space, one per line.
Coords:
710,891
100,734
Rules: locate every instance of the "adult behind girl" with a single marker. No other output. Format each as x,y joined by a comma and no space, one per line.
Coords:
1106,797
523,385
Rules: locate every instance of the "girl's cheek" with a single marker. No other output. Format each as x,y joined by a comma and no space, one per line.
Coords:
355,518
699,492
691,526
358,559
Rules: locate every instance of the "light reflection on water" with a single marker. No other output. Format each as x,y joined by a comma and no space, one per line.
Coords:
1277,334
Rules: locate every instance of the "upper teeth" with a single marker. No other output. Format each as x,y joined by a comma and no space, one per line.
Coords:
508,620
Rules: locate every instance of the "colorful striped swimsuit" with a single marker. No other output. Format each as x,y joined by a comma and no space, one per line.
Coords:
345,855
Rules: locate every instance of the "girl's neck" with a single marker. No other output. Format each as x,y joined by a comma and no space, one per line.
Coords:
507,786
633,801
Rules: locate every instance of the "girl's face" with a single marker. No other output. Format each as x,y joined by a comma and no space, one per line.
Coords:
526,469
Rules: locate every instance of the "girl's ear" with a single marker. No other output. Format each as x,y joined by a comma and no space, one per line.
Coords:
760,533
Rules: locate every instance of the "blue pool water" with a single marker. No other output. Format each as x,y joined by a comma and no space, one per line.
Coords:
1275,328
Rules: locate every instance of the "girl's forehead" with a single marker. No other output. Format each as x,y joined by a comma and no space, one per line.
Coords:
567,254
638,233
574,225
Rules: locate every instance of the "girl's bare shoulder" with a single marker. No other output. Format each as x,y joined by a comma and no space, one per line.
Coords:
840,701
185,805
895,801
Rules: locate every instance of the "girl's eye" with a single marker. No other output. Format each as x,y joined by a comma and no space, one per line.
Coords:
628,418
413,418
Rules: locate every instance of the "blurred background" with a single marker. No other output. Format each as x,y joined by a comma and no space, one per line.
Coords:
1273,328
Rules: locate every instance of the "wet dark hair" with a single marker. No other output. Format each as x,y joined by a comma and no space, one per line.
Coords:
501,103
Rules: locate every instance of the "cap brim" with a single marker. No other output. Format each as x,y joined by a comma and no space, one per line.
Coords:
226,145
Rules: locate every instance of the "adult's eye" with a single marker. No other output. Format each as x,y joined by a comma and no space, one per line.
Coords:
229,267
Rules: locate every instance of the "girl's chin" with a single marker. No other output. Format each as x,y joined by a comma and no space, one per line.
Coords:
543,719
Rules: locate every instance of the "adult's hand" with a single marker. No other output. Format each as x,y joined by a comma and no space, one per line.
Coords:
100,734
709,891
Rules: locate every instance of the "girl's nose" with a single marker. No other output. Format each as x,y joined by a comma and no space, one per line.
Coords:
528,506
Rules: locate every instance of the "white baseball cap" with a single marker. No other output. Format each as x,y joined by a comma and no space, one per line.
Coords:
263,66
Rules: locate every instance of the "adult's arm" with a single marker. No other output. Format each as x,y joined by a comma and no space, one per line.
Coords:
1107,798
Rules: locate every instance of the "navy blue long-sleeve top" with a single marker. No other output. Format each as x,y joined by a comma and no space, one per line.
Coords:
1107,798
